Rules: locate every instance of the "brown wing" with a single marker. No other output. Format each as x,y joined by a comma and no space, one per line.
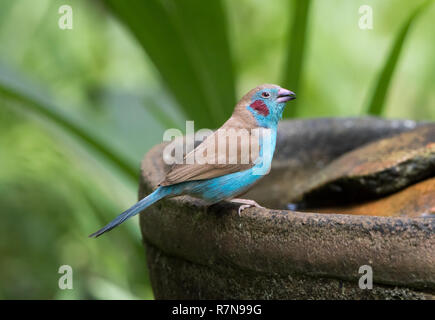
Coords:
226,151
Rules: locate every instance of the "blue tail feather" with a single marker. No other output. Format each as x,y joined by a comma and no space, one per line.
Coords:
158,194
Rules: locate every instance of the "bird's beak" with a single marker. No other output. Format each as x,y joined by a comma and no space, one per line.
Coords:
285,95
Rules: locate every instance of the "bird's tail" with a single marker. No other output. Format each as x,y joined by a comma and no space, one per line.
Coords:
158,194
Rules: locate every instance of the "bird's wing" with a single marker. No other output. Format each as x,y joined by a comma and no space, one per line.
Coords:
221,153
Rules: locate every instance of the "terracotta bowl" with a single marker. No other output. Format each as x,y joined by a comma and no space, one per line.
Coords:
195,252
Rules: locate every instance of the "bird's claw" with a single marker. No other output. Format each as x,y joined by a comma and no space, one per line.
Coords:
245,205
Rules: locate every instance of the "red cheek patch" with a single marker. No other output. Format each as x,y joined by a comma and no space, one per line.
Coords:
260,107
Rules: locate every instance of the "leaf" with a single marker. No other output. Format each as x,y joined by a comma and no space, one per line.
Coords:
32,101
188,44
376,105
103,289
297,37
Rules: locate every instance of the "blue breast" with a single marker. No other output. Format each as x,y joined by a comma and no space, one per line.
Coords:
230,185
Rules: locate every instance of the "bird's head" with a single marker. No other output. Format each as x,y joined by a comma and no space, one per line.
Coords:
266,103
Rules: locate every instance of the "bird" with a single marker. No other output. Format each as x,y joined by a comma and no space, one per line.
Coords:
224,176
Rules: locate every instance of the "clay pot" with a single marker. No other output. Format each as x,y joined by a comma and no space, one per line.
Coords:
195,252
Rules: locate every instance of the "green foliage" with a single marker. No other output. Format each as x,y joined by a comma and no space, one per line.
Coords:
376,105
187,42
32,101
297,37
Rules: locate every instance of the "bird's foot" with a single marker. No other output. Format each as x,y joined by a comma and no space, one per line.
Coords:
246,203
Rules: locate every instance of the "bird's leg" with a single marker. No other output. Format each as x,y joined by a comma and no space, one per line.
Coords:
246,203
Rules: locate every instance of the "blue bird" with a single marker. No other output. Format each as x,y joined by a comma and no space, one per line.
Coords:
213,174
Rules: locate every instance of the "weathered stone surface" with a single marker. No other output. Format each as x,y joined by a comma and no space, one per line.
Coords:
306,146
202,282
376,169
199,252
417,200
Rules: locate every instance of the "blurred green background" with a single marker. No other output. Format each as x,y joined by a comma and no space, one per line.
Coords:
79,108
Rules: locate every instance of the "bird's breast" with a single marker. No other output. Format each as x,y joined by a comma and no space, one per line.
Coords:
230,185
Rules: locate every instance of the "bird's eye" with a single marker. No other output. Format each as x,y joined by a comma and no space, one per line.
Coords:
265,94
